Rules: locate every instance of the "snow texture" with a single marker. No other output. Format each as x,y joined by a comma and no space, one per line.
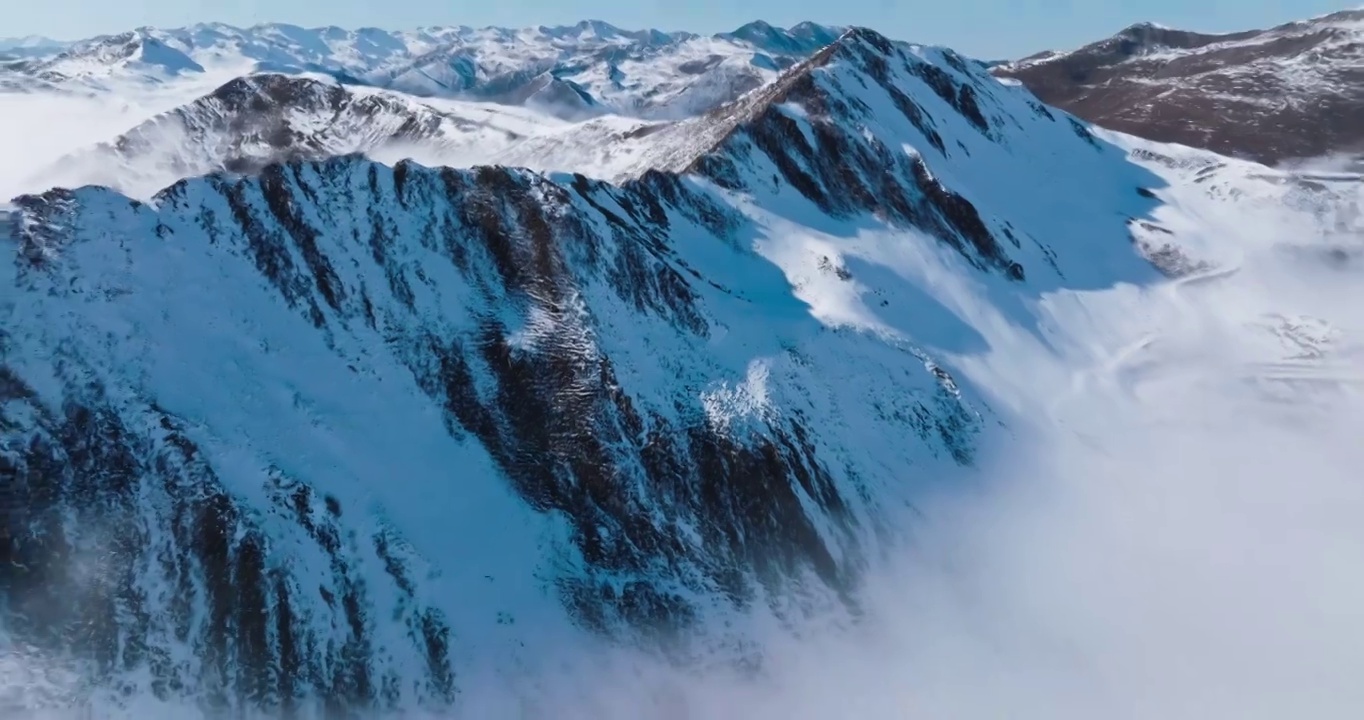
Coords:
303,426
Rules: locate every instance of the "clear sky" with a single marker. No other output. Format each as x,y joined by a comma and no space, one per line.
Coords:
984,28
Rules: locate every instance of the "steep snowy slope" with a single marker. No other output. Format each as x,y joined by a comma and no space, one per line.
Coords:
312,395
261,118
255,120
1288,92
350,435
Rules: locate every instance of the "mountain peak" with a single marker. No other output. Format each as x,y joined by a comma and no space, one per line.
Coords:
802,39
366,430
136,49
1290,91
1144,27
853,130
600,27
756,28
870,52
862,34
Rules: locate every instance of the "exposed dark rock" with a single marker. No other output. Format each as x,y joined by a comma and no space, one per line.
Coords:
841,171
103,501
254,120
662,503
1293,91
554,417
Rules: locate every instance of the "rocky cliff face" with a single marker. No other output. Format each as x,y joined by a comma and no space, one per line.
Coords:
1284,93
328,436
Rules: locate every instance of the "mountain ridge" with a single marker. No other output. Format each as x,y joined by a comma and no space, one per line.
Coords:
329,377
613,69
306,427
1281,94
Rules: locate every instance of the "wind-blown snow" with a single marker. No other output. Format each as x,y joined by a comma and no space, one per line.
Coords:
1159,520
1172,534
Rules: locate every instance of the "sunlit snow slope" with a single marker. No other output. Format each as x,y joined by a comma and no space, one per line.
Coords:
582,70
335,435
139,110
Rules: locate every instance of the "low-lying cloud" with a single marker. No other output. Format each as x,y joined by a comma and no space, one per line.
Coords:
1182,537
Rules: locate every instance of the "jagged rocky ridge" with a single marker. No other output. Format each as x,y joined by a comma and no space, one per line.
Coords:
256,120
1283,93
264,428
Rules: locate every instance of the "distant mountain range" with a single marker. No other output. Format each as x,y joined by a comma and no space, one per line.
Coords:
587,69
1285,93
32,45
1290,92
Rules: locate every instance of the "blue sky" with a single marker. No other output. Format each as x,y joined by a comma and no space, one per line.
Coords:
984,28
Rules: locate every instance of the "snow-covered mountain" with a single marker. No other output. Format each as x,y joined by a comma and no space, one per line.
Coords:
318,430
255,120
130,53
29,46
310,393
1290,92
586,69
